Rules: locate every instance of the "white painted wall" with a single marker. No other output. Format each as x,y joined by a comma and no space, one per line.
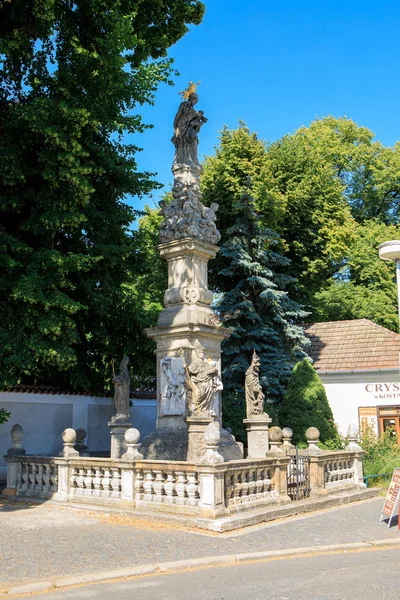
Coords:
348,391
44,417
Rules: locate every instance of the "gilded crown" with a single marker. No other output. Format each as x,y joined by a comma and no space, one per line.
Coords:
189,90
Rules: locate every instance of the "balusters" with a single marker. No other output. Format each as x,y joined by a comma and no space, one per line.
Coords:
192,489
88,481
148,486
116,483
106,483
139,490
46,478
169,488
158,487
180,487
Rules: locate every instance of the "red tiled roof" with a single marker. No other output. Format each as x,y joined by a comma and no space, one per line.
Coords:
358,345
48,389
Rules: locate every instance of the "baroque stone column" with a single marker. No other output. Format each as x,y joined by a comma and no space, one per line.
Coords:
188,236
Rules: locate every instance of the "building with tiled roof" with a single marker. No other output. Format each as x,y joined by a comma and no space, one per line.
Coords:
358,362
358,345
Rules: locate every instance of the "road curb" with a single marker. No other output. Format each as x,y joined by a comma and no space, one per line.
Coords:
184,565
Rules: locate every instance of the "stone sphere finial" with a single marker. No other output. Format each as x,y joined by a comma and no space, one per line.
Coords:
17,433
287,434
132,435
80,435
69,436
275,434
312,434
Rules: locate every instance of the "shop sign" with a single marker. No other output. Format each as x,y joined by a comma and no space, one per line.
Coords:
392,499
368,418
383,391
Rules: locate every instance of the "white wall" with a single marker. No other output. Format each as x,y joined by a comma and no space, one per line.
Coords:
44,417
347,392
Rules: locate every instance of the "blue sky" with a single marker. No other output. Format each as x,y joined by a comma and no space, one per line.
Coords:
277,65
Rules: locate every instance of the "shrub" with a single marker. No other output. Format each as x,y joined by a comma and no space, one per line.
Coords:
4,415
382,455
306,405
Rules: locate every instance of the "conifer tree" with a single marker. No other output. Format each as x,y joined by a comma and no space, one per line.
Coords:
257,306
306,405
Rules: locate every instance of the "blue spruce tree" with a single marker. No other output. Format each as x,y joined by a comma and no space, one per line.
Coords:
258,309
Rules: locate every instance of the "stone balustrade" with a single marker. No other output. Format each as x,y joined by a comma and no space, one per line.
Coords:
204,490
250,484
339,471
162,482
94,480
32,476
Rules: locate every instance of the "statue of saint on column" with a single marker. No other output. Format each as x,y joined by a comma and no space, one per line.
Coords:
253,390
121,391
187,124
203,381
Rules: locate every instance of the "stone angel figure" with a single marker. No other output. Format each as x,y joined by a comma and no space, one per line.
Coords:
253,389
121,390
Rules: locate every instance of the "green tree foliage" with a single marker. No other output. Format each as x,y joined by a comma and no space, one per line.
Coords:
73,78
365,286
257,306
149,281
4,415
306,405
325,190
382,454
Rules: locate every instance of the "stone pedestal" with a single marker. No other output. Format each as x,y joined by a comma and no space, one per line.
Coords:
257,436
196,442
118,443
187,317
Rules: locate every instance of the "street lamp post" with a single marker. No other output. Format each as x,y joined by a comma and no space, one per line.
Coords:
391,251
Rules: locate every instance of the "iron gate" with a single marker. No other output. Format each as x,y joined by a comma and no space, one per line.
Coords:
298,474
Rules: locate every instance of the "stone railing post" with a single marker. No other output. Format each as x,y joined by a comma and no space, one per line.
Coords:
353,446
63,479
212,490
317,475
127,464
13,465
13,471
257,435
280,477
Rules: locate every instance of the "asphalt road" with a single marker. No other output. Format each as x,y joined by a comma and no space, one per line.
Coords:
365,575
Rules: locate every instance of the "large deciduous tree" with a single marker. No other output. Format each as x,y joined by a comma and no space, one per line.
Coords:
73,78
322,189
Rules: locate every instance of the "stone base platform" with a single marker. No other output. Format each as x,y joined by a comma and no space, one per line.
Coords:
243,519
166,444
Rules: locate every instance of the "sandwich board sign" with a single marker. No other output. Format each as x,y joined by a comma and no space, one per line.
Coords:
391,506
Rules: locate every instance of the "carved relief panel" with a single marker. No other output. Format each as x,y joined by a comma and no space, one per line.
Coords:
172,384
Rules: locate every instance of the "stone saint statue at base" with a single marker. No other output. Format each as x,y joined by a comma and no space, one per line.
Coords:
121,391
254,394
203,381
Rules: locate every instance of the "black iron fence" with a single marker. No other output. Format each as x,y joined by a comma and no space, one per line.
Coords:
298,474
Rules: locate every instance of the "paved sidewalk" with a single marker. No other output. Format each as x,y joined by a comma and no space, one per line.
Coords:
40,541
